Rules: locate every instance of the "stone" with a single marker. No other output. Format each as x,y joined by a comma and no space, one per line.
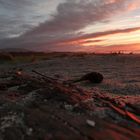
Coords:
93,77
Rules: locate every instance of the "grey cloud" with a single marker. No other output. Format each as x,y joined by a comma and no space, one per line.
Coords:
15,4
12,17
70,17
12,26
17,16
74,15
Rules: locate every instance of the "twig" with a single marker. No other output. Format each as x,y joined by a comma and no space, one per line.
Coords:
124,112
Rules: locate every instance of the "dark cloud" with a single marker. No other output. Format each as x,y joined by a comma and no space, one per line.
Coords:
91,41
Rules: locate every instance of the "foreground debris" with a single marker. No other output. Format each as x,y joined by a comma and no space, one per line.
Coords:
93,77
38,107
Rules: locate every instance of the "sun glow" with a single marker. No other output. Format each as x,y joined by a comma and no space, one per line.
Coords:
116,39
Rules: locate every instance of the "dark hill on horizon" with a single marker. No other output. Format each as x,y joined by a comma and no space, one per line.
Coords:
15,50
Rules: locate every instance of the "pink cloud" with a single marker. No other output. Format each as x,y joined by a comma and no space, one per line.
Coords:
114,48
84,38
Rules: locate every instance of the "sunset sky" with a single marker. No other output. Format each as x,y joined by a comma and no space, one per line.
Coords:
70,25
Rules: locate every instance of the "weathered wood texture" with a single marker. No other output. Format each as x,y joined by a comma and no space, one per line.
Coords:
42,108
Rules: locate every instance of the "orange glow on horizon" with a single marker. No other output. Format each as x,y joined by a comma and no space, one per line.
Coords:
113,40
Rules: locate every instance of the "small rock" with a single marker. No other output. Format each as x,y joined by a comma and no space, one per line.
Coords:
68,107
90,123
29,131
93,77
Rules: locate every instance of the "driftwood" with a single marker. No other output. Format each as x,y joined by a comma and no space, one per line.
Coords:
70,93
51,106
76,96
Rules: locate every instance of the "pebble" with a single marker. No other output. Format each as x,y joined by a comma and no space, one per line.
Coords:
68,107
90,123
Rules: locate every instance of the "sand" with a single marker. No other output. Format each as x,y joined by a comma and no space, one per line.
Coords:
27,112
121,72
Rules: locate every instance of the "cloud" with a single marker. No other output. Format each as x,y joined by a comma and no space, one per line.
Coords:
74,15
12,17
85,38
135,47
71,43
91,41
70,17
15,3
20,16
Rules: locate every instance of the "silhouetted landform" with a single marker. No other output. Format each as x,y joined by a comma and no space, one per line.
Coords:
131,53
6,57
8,50
93,77
30,56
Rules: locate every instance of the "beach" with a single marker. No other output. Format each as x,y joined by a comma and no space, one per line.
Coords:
38,103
